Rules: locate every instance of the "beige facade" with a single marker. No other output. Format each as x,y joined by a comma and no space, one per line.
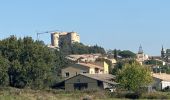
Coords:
113,61
75,69
141,57
58,38
106,68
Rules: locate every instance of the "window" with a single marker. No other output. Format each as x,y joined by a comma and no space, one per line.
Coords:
84,72
67,74
80,86
100,84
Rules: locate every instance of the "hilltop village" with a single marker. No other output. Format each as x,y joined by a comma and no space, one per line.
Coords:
69,65
96,70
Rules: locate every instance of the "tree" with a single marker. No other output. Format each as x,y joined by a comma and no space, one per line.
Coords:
17,75
121,63
96,49
153,62
30,63
79,48
127,54
115,54
4,79
134,76
65,47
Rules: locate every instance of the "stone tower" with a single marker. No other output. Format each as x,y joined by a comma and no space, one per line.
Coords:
55,39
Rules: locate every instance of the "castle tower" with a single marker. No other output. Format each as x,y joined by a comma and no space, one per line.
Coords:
55,39
74,37
58,38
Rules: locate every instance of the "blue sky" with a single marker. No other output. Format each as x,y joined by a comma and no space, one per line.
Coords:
121,24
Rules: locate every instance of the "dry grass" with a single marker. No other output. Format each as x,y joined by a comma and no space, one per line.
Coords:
52,94
28,94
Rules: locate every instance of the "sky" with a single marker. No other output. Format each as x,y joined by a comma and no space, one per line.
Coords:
120,24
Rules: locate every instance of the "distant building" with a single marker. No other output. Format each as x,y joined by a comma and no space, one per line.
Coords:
141,57
58,38
78,68
113,61
84,57
88,82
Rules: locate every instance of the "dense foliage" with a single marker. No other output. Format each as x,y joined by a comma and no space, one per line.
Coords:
127,54
121,53
80,48
4,79
121,63
28,63
134,76
153,62
157,66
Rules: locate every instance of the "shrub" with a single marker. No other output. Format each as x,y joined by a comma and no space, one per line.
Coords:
154,96
166,89
132,95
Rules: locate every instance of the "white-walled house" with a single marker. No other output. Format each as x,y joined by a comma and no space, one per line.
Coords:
161,81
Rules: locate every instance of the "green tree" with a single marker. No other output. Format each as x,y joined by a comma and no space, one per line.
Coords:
153,62
79,48
115,54
17,75
96,49
134,76
31,63
4,79
65,47
121,63
127,54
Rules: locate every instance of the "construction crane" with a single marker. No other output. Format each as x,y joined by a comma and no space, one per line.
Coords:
45,33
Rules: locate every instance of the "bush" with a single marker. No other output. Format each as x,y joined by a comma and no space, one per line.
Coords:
154,96
166,89
87,98
132,95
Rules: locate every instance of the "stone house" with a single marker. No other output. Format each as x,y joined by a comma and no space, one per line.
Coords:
88,82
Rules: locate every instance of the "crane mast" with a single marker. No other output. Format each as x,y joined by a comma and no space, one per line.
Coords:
45,33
